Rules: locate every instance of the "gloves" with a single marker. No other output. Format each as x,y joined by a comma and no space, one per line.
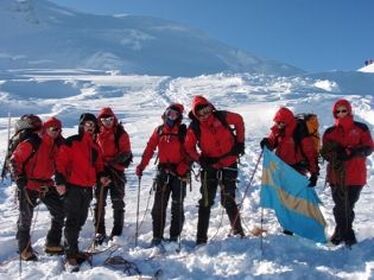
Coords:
238,149
21,182
343,154
123,159
182,169
60,179
207,161
313,180
139,170
361,151
265,143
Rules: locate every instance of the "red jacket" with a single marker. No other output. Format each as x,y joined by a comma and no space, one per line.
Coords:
349,134
284,144
171,151
79,161
40,167
106,140
215,139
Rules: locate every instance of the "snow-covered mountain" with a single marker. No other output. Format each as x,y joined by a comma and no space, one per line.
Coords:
40,34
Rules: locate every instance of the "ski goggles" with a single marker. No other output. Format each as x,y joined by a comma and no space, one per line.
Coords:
89,124
54,129
205,111
172,114
107,119
280,124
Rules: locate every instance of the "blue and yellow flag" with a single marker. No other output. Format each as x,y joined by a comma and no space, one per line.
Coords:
295,204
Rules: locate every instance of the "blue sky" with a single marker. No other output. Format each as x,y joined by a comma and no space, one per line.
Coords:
315,35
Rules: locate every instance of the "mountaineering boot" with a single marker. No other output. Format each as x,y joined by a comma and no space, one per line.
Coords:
156,242
200,242
350,238
28,255
173,239
287,232
336,238
100,239
54,249
238,232
71,264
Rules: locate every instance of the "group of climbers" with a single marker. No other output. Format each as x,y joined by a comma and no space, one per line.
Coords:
65,174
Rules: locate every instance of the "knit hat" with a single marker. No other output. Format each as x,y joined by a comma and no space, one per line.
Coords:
87,117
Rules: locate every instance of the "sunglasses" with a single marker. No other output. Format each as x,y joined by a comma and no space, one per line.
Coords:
341,111
172,114
205,111
54,129
89,124
107,119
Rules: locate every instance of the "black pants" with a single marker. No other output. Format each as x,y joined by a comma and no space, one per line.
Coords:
77,202
27,203
345,199
117,194
210,179
167,184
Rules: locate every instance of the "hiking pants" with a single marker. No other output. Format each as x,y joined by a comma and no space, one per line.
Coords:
167,184
77,202
345,199
27,203
117,194
210,179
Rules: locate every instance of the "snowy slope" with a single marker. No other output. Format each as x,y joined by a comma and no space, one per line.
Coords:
139,102
368,69
40,34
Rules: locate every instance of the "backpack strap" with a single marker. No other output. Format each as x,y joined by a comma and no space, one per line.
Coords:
35,142
221,117
117,134
182,131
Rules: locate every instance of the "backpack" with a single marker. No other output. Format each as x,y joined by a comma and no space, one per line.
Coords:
307,126
25,128
220,115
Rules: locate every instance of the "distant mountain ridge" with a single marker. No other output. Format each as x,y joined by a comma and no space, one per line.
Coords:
40,34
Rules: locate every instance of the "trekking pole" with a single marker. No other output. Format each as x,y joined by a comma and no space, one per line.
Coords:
252,177
261,235
137,212
4,170
247,188
180,213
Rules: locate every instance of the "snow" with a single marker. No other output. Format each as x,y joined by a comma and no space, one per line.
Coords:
58,62
368,69
139,101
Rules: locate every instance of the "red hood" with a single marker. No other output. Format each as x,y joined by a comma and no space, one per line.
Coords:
199,100
52,122
342,102
107,112
286,116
